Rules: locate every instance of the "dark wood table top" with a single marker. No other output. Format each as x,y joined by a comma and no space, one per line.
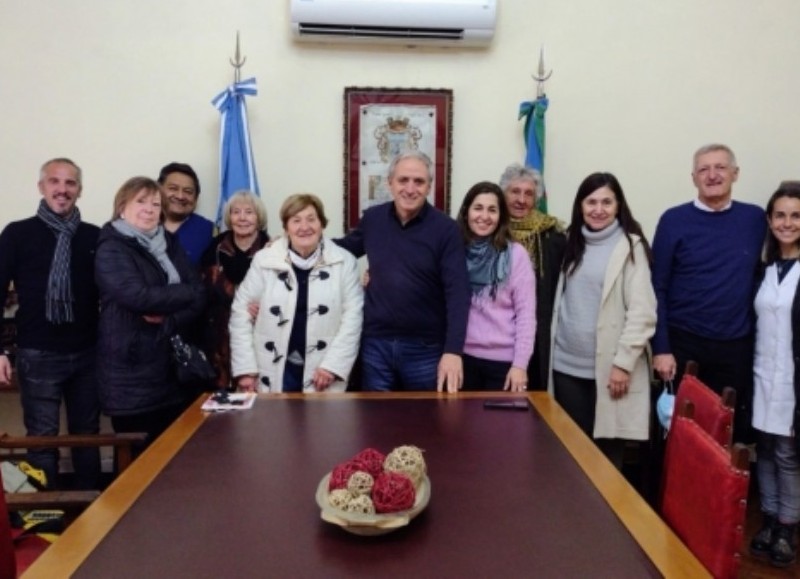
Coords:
232,495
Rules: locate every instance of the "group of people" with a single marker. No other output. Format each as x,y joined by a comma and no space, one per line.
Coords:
504,297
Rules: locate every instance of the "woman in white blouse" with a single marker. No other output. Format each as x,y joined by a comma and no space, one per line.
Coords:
777,381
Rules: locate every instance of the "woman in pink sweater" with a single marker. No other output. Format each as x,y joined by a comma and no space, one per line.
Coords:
502,313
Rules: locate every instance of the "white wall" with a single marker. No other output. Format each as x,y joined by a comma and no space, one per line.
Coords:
124,87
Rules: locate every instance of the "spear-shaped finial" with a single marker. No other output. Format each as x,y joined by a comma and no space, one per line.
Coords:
237,62
542,76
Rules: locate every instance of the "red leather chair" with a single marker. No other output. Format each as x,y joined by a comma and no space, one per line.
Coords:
714,413
705,494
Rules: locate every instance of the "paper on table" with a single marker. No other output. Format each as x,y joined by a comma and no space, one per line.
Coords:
236,401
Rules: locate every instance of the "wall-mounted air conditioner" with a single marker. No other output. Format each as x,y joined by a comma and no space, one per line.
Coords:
467,23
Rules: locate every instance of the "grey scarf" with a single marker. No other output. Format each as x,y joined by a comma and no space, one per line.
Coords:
155,242
58,299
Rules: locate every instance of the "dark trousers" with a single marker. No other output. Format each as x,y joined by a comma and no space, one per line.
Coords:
578,397
153,423
45,379
721,363
481,374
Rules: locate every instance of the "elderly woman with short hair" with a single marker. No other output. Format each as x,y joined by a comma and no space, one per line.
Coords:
306,335
224,265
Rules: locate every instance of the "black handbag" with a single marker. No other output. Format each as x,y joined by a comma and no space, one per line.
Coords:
191,364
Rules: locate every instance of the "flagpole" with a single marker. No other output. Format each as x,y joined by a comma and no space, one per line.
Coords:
534,129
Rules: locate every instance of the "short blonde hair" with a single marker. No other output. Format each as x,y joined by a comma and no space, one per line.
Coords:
294,204
131,188
245,196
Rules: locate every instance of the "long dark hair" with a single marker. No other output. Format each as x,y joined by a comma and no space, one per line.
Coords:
772,249
501,236
576,242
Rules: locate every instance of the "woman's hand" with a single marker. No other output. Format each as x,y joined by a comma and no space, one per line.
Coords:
516,380
252,309
322,379
618,383
246,383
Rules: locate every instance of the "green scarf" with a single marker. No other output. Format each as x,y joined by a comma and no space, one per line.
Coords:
529,230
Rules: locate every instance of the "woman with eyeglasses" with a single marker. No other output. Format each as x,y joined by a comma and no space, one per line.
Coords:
306,334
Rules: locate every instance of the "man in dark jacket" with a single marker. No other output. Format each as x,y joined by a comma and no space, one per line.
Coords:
50,260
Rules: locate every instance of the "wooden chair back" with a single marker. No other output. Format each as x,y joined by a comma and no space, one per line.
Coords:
705,493
712,412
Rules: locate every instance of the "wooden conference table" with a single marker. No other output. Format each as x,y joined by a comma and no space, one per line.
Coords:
514,494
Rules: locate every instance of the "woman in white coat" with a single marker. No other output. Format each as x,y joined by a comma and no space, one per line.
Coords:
306,334
776,417
605,314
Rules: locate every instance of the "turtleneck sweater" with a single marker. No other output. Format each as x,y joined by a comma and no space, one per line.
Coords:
576,339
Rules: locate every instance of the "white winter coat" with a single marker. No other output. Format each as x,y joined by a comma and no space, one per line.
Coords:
625,323
339,328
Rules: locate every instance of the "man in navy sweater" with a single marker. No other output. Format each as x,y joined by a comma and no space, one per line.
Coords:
417,300
705,255
50,259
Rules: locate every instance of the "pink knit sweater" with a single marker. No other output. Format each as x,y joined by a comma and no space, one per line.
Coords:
503,329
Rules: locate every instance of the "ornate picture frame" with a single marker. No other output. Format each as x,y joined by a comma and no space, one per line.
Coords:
379,123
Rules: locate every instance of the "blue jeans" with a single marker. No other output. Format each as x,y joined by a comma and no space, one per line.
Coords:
399,364
45,378
778,476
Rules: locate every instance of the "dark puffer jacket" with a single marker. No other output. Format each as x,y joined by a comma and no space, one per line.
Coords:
134,367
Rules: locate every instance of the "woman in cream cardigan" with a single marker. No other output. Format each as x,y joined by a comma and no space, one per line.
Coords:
605,314
306,333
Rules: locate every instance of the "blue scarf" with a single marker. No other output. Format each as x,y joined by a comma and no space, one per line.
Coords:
487,266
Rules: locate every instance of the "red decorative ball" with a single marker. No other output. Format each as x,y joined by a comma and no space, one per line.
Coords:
393,492
371,461
341,474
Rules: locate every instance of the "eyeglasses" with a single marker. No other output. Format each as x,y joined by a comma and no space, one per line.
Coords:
706,169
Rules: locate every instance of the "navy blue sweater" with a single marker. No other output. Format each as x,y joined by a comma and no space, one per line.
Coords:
26,252
418,285
704,267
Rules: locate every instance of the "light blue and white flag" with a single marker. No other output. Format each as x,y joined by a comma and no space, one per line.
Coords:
236,166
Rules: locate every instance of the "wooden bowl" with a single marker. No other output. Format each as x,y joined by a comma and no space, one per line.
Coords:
370,525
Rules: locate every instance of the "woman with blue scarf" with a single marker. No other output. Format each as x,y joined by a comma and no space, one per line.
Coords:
502,314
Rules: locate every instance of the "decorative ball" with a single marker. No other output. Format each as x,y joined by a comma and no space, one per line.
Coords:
341,474
371,460
339,498
406,460
360,483
393,492
360,504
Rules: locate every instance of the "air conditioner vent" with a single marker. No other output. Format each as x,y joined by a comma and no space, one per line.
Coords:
399,32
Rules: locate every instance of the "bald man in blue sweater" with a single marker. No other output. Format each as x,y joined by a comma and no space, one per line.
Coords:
705,256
